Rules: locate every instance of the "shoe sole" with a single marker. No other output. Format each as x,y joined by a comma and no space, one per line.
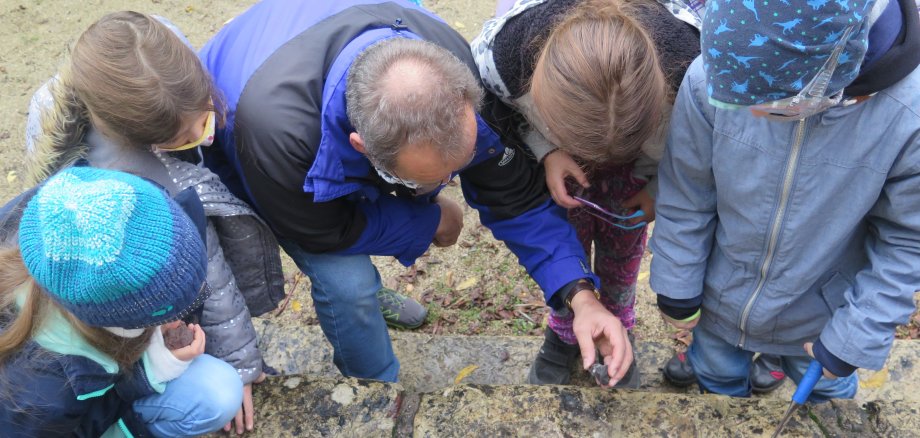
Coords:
405,326
766,389
678,383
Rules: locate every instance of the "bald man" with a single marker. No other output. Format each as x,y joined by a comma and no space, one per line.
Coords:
344,120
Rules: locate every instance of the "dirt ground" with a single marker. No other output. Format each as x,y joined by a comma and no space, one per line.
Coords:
475,287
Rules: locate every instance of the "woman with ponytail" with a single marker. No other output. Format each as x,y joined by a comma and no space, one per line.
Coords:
592,81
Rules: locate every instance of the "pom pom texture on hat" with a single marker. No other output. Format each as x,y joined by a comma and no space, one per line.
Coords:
113,249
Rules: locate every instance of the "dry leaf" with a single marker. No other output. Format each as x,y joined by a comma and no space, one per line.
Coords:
10,177
459,25
468,283
643,276
876,380
449,279
466,371
684,337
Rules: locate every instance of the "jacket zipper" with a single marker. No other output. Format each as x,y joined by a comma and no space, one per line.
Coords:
774,232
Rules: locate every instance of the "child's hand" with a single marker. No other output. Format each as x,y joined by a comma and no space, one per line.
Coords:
642,201
197,346
827,374
559,165
245,416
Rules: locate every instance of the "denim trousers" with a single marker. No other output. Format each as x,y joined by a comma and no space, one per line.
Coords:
723,368
344,290
201,400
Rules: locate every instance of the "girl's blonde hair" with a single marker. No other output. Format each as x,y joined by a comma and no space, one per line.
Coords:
598,84
130,76
25,321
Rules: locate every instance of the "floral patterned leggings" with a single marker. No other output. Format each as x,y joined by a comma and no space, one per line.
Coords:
617,252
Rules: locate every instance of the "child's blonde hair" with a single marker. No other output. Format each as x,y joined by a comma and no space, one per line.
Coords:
130,75
598,84
29,318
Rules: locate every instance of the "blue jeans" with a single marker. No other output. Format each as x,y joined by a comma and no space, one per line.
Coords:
724,368
345,296
201,400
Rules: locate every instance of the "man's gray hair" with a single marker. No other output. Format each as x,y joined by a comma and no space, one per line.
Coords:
390,110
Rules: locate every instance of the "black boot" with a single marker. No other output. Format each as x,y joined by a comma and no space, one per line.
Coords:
767,373
631,379
553,365
679,372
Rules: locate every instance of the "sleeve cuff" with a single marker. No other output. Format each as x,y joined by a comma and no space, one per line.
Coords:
428,226
680,308
556,301
160,364
554,277
830,362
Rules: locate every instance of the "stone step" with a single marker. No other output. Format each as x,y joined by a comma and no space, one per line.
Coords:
290,406
430,363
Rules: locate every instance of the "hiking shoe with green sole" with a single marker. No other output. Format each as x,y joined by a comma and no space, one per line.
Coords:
400,311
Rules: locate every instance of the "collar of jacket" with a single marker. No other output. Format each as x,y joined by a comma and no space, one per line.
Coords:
336,159
899,61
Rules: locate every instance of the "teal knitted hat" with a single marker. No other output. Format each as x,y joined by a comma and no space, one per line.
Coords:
113,249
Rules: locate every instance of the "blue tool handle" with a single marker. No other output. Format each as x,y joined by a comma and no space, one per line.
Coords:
814,372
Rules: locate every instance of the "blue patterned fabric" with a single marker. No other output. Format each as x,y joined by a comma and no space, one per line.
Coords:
113,249
757,51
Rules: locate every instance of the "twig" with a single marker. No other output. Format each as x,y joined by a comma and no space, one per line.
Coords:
527,317
297,277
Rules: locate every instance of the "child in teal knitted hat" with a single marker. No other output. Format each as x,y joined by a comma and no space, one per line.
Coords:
104,259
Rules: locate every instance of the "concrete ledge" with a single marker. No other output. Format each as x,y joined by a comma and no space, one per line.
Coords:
429,363
296,406
548,411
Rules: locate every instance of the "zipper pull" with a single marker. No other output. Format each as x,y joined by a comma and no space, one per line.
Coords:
398,25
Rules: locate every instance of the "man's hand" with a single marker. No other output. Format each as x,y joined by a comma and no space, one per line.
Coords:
559,165
597,329
247,411
682,324
451,222
827,374
644,202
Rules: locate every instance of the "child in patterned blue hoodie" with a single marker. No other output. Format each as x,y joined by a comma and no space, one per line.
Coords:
787,210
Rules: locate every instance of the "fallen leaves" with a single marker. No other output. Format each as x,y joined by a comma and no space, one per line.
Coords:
466,371
876,380
468,283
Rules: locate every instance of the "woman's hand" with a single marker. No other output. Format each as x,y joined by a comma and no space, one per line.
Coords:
559,166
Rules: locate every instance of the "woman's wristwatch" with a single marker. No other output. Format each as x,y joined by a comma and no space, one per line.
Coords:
582,285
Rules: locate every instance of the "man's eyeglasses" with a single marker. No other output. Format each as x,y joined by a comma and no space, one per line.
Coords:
611,218
420,189
811,100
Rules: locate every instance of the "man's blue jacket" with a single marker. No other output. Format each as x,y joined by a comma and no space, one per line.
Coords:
282,68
